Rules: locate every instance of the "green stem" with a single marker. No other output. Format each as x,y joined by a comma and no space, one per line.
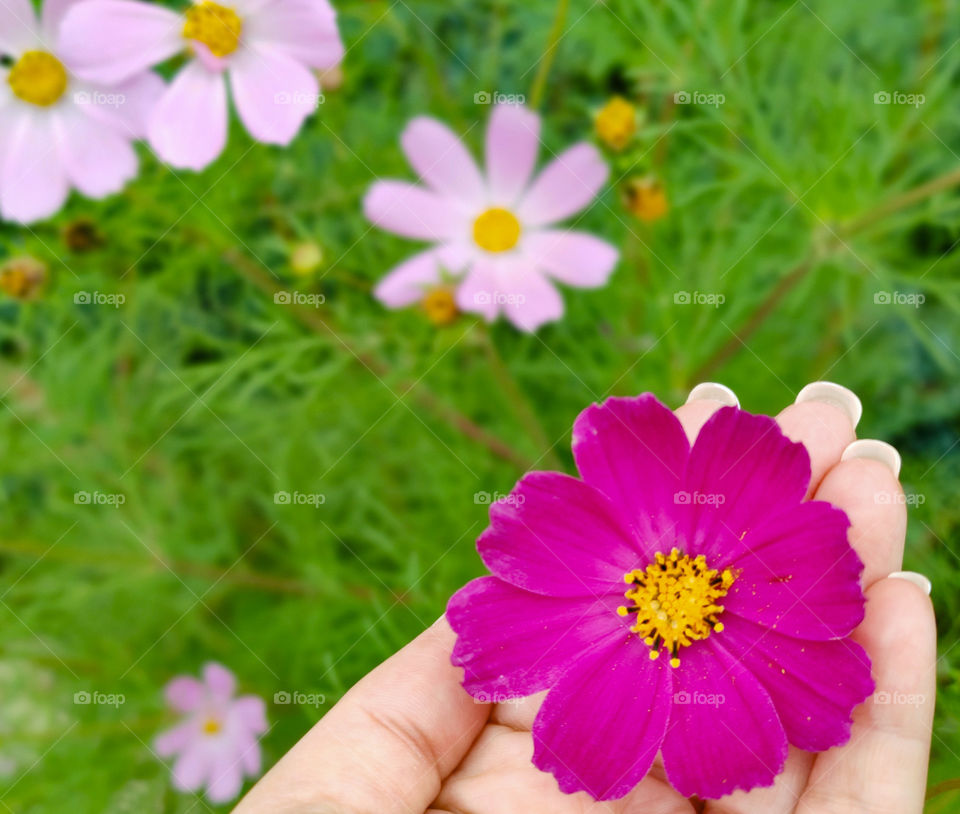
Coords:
546,61
521,405
323,324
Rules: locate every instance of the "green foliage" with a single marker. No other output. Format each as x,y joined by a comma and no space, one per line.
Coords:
199,398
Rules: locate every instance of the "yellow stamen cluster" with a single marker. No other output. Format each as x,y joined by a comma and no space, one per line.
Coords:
675,600
218,27
38,78
22,277
440,306
646,198
211,726
616,123
496,230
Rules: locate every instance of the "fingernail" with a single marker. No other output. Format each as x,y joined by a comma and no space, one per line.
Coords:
874,450
711,391
835,395
917,579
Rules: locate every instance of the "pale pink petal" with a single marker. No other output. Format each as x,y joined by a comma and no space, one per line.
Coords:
125,107
412,211
567,185
226,777
477,293
188,127
113,40
98,160
408,283
33,182
175,740
51,16
251,759
192,768
305,30
513,140
441,159
18,26
574,258
251,712
184,693
273,93
531,301
219,681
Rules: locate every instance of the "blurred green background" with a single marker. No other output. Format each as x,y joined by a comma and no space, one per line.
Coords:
198,398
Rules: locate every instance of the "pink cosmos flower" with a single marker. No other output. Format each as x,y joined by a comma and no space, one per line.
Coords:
216,744
678,600
57,131
495,230
265,47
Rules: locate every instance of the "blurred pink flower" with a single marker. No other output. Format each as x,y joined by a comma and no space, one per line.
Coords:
493,230
57,131
267,47
216,744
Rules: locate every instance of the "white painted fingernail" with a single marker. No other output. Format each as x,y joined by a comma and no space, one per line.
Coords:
711,391
876,451
835,395
917,579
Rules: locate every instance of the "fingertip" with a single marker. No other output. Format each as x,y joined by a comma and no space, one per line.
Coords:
824,429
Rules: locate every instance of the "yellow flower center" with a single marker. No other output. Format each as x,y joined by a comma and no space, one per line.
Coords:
675,600
440,306
646,198
38,78
496,230
616,123
211,726
216,26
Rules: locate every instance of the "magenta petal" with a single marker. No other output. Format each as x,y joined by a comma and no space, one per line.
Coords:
724,732
742,470
512,643
634,450
813,685
556,535
800,576
601,726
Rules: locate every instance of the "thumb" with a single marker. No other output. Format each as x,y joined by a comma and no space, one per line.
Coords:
386,746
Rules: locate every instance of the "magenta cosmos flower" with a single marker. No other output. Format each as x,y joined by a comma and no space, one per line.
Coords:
216,744
493,231
57,131
266,47
678,600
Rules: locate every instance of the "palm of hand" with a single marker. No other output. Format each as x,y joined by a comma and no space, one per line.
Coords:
408,738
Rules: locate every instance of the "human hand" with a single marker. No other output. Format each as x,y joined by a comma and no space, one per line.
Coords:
408,738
